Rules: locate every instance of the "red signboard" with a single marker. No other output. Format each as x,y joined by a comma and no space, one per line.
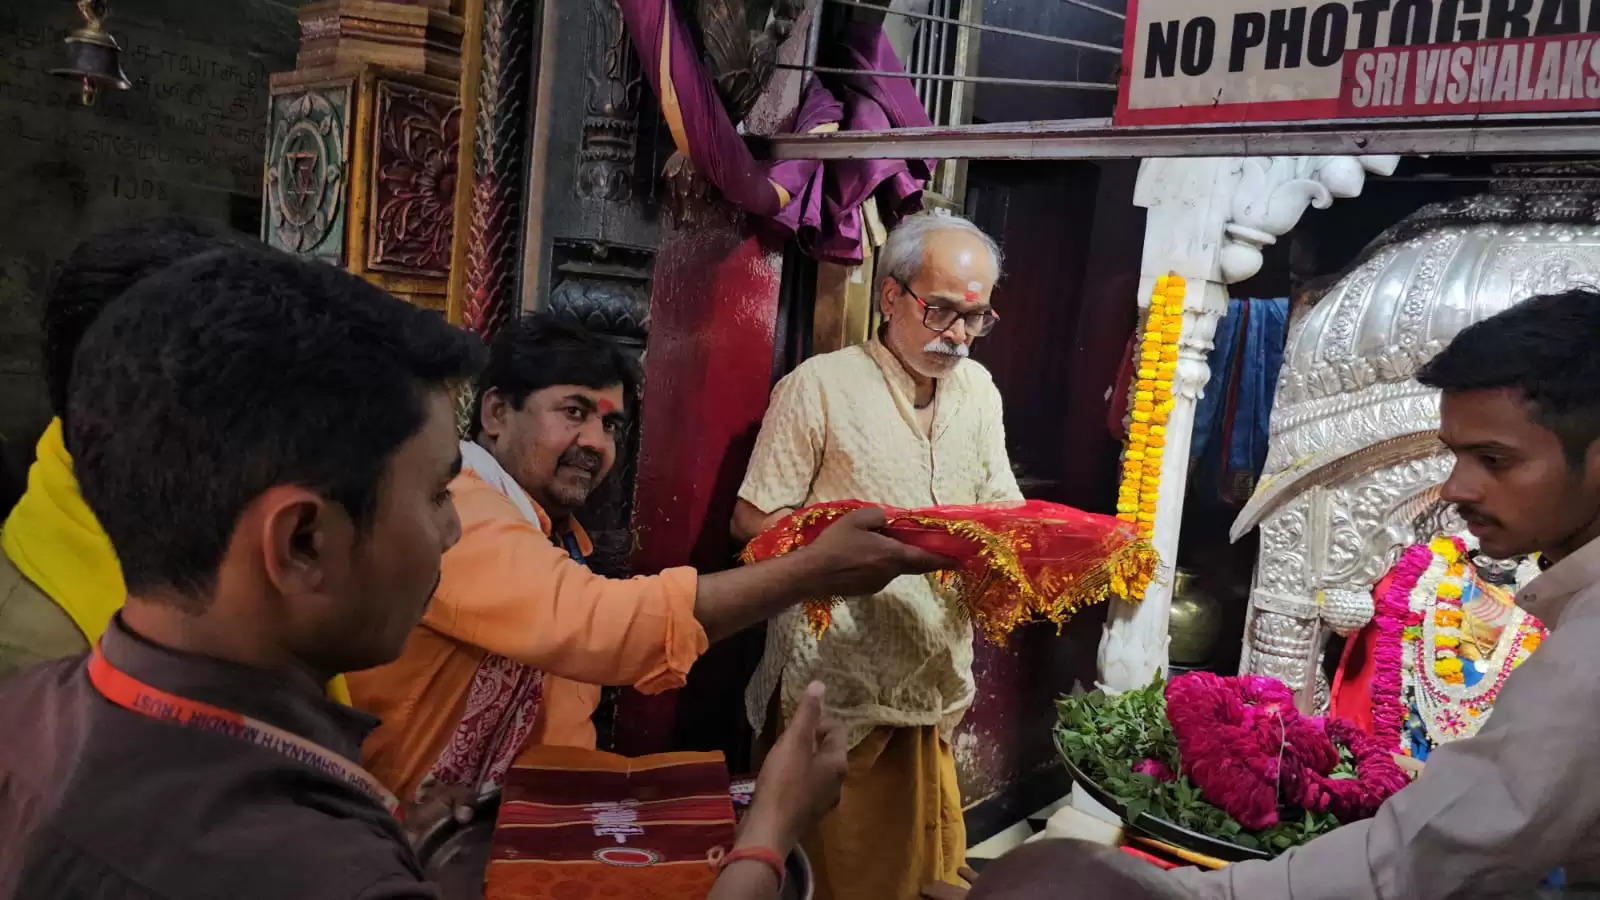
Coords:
1241,61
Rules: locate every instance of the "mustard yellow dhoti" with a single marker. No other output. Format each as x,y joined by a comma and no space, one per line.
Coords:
898,825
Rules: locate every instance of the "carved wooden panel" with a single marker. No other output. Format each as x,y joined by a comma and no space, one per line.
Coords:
501,126
607,290
308,170
416,133
613,84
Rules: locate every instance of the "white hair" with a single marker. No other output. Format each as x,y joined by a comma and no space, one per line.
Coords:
901,257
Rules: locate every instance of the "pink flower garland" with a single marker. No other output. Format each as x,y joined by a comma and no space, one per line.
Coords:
1247,748
1392,616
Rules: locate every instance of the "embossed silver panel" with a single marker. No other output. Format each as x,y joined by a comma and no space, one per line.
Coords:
1353,468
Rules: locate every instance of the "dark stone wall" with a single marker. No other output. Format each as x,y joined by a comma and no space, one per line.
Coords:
188,138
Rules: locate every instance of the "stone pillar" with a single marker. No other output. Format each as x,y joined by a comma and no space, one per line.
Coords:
1186,200
1209,220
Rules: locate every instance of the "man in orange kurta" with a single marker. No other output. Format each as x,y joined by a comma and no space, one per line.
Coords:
521,634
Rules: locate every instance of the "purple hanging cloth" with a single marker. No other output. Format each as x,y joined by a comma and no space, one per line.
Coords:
871,103
803,219
693,111
814,202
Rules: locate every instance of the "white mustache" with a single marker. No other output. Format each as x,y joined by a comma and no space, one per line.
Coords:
948,348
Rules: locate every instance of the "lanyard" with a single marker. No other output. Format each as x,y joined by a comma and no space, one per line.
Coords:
132,694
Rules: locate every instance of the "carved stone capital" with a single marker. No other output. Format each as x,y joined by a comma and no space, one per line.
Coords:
1272,194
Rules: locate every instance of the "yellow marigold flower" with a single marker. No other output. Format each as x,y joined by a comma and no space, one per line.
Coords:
1138,428
1144,395
1135,455
1127,507
1450,665
1144,406
1447,618
1147,517
1147,373
1158,430
1148,506
1450,590
1140,416
1445,640
1163,281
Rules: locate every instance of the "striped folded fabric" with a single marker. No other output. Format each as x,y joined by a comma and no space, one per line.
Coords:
577,823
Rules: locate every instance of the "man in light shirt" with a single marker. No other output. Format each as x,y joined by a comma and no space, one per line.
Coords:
904,420
1518,805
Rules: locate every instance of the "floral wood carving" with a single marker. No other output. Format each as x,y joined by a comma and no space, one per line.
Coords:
611,107
414,179
739,57
500,128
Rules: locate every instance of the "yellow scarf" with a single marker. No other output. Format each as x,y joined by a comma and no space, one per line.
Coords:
56,542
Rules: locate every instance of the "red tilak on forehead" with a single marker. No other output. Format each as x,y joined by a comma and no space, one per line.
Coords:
970,296
605,406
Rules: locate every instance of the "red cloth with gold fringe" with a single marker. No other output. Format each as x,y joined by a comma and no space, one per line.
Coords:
1018,561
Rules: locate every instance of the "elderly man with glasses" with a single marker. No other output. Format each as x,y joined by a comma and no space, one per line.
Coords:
905,420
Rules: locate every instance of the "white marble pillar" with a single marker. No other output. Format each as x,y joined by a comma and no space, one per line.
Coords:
1187,204
1209,220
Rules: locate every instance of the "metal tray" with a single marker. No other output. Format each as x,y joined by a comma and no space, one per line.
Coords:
1161,829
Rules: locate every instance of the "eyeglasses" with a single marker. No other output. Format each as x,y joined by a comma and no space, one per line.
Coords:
940,319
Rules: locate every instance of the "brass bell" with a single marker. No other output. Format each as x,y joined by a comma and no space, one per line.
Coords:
94,57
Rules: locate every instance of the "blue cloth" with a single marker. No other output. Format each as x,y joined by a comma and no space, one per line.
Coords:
569,542
1229,447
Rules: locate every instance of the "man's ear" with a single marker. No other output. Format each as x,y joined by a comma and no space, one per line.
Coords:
1591,462
297,528
888,292
493,412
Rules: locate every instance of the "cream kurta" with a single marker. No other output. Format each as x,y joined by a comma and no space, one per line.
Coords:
842,427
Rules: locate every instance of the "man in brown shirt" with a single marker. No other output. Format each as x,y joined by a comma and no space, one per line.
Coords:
269,444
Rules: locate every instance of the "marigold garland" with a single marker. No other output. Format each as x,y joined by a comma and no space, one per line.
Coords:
1418,667
1152,406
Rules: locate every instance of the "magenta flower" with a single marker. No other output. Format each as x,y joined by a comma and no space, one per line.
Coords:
1155,768
1248,749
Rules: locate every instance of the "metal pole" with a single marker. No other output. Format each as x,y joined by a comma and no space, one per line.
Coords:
1570,134
1099,9
972,79
924,66
994,29
937,106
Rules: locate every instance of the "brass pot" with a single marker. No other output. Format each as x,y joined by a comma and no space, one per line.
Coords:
1195,622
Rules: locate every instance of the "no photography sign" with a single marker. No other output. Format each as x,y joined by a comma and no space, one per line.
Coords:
1244,61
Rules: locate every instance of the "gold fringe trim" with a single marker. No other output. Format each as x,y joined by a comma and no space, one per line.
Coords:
1005,597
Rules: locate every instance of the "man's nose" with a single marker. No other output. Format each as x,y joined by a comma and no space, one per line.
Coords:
1459,487
957,331
593,434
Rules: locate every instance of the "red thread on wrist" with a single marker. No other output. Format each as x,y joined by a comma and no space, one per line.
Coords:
766,855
